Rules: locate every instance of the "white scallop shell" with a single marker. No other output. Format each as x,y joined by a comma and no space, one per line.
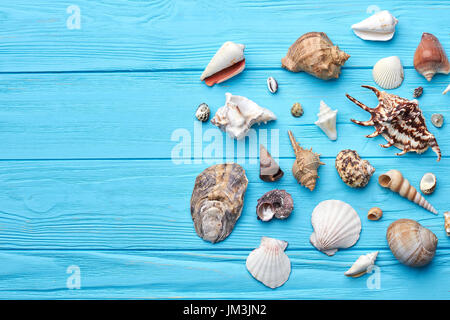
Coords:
327,120
388,72
239,114
336,225
268,263
446,90
229,54
378,27
362,264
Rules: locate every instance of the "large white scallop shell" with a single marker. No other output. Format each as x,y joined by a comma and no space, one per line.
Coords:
362,265
336,225
378,27
388,72
327,120
268,263
229,54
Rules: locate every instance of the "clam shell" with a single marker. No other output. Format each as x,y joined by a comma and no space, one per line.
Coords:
388,72
336,225
378,27
327,120
362,265
268,263
428,183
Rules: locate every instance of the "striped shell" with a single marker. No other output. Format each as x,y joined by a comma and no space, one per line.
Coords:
388,72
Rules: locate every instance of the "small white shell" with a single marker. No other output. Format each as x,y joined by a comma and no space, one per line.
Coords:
388,72
336,225
272,84
446,90
428,183
378,27
327,120
362,265
229,54
268,263
447,222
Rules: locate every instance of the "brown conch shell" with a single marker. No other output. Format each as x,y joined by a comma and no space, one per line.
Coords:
354,171
315,54
275,203
411,243
430,57
269,170
306,164
217,200
400,122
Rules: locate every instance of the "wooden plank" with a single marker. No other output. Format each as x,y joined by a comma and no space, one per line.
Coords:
131,35
145,205
138,115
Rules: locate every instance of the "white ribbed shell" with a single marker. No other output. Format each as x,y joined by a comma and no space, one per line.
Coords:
388,72
336,225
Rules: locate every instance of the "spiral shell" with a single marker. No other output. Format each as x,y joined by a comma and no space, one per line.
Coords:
354,171
430,57
428,183
375,214
275,203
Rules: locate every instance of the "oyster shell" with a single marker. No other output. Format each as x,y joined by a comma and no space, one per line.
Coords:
327,120
354,171
362,265
430,57
269,170
275,203
378,27
428,183
217,200
388,72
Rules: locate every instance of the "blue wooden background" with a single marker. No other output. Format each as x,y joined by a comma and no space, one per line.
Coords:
86,174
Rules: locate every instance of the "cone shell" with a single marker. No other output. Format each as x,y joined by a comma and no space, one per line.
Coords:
411,244
315,54
388,72
354,171
447,223
393,179
378,27
430,57
362,265
327,120
336,225
268,263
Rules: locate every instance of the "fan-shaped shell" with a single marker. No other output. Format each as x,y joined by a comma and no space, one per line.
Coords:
336,225
268,263
388,72
378,27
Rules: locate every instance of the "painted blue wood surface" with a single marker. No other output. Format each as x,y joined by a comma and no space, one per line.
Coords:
88,178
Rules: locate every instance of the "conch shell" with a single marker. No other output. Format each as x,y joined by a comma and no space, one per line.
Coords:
362,265
354,171
269,170
430,57
400,122
228,61
378,27
393,179
411,243
306,164
239,114
217,200
315,54
327,120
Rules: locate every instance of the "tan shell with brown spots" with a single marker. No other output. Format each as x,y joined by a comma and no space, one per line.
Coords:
354,171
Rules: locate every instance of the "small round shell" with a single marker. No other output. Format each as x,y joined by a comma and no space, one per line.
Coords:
272,84
437,120
202,113
428,183
375,214
297,110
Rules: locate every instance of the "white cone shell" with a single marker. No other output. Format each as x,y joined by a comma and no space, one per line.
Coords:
336,225
327,120
268,263
362,264
229,54
378,27
446,90
388,72
239,114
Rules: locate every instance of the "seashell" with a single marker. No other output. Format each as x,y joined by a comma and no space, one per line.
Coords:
428,183
418,92
239,114
400,122
411,243
202,113
375,214
393,179
447,223
430,57
276,203
228,61
297,110
272,84
354,171
363,264
437,120
327,120
268,263
336,225
378,27
446,90
388,72
314,53
217,200
306,164
269,170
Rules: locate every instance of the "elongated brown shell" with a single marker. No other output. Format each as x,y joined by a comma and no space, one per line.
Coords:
217,200
411,243
354,171
430,57
315,54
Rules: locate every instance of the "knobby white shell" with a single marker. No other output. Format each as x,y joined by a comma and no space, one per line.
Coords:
336,225
327,120
362,265
378,27
239,114
268,263
446,90
229,54
388,72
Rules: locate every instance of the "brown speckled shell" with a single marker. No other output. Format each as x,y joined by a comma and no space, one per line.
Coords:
280,203
217,200
354,171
